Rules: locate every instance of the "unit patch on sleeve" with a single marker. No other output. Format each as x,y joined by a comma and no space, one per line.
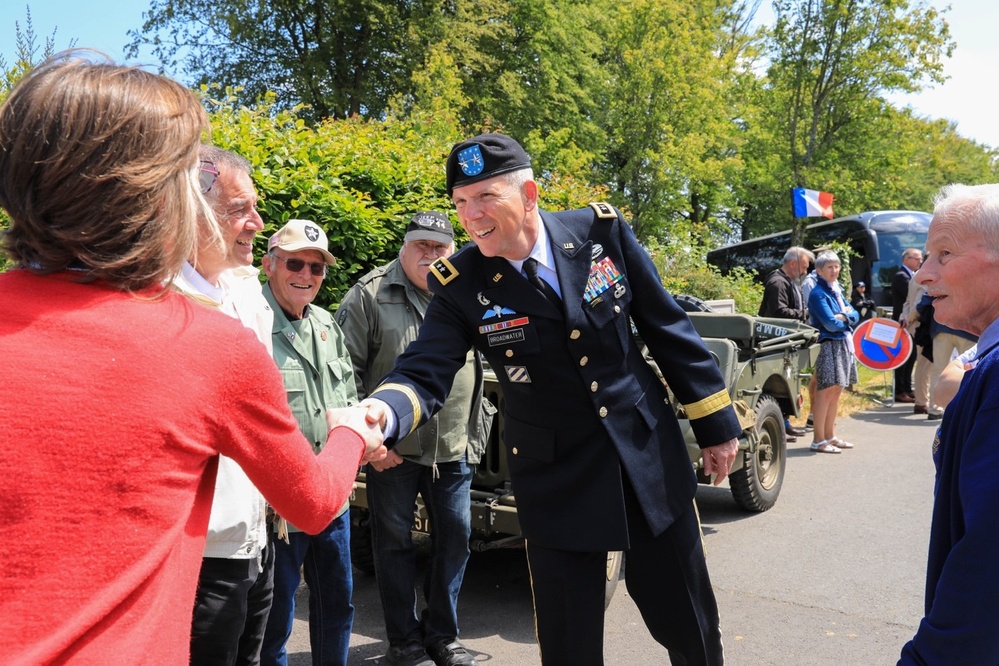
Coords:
517,374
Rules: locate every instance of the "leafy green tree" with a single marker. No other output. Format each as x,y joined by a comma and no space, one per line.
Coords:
670,127
831,60
339,58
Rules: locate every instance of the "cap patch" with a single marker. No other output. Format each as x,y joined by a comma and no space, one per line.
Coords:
470,160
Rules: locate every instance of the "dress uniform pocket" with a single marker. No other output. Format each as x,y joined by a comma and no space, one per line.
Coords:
608,315
526,441
649,416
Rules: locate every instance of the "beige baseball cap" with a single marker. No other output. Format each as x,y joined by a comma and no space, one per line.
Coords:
301,235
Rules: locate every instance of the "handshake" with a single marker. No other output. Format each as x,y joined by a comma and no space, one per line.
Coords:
367,419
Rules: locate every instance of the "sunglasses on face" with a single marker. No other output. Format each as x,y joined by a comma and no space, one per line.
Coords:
208,173
294,265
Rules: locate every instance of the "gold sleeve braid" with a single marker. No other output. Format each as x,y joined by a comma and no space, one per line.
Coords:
708,406
414,402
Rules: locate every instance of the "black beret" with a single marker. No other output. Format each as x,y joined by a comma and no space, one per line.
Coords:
482,157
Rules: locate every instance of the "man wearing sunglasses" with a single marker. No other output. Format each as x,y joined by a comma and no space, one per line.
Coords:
236,579
309,350
380,316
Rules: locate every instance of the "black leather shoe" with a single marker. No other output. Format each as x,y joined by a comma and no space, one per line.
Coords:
904,397
408,654
920,409
791,431
450,653
934,417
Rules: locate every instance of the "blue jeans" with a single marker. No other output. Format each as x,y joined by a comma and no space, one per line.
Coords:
326,561
391,497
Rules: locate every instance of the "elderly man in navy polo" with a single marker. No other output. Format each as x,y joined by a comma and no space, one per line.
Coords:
595,452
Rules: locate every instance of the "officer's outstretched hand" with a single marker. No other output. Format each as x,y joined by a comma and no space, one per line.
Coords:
718,459
356,418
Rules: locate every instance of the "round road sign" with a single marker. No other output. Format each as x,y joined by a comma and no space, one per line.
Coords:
882,344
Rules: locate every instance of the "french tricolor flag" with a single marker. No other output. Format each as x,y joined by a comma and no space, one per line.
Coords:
812,203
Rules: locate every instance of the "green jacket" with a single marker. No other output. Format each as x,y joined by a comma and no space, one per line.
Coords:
315,366
380,316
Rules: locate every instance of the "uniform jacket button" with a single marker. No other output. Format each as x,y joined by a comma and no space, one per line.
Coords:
593,387
509,353
617,309
514,450
584,360
603,412
575,334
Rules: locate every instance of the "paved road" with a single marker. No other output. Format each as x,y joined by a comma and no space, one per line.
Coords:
832,575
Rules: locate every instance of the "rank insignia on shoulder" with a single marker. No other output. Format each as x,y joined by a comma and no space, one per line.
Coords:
443,270
603,210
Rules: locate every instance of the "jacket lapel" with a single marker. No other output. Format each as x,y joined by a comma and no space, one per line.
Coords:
572,262
511,290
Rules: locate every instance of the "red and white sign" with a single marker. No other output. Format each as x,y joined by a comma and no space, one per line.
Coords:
882,344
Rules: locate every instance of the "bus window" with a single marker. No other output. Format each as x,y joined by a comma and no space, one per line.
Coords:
877,239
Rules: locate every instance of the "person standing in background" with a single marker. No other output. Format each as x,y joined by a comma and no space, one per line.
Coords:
911,259
946,343
921,340
861,302
314,363
782,298
836,367
380,316
236,582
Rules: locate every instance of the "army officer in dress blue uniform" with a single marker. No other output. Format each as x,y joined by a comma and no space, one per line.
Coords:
596,457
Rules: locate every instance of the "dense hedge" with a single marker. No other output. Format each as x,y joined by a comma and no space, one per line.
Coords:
362,180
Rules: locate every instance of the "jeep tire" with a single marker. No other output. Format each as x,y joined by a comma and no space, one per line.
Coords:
756,485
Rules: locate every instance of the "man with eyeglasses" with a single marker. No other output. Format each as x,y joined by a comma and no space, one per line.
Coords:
380,316
236,578
310,352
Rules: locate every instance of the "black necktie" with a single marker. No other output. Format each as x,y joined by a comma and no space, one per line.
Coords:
531,270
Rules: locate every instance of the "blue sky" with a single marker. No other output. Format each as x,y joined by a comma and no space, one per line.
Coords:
966,97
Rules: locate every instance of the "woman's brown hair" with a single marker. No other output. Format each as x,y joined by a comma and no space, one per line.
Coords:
98,171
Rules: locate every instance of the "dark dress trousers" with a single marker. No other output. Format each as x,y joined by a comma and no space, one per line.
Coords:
596,456
899,292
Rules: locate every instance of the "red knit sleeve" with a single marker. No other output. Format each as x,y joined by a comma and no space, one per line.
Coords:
258,431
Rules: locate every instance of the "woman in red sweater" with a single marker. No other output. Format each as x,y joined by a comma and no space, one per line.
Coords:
118,395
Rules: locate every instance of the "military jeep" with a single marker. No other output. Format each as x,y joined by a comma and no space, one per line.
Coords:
763,362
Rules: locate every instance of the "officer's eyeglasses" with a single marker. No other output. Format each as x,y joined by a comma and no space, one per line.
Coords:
208,173
317,268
